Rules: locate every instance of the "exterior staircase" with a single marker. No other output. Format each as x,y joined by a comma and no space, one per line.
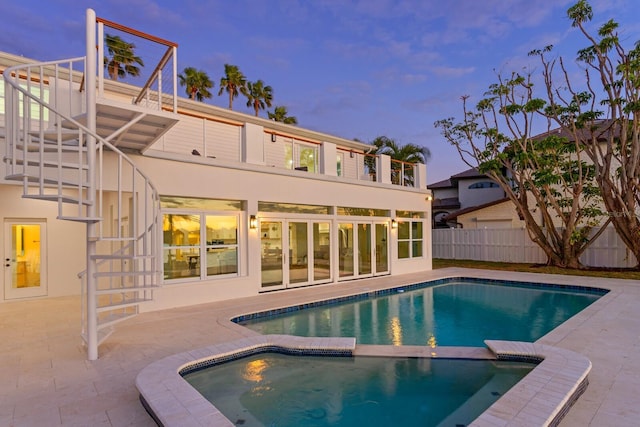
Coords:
62,146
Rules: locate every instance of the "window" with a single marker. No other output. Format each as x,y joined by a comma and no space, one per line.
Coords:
198,242
301,156
409,239
346,211
34,88
483,184
200,245
339,163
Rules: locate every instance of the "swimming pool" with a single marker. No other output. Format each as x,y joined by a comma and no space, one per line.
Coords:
447,312
541,398
273,389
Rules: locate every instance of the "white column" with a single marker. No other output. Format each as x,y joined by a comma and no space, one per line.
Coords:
384,169
90,78
328,159
253,144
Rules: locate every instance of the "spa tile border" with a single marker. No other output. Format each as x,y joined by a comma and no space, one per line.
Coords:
542,398
172,401
546,394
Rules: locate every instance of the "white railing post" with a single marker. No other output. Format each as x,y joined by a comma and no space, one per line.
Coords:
175,79
90,78
100,55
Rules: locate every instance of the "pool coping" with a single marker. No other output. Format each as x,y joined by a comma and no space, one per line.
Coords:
542,397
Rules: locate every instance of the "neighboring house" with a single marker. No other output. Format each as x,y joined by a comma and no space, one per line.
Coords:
500,213
461,192
165,201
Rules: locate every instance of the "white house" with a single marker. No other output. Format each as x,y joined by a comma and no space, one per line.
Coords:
158,201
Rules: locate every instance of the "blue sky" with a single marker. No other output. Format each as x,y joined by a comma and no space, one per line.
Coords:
355,69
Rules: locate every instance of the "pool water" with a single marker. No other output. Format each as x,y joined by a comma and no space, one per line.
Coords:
451,314
271,389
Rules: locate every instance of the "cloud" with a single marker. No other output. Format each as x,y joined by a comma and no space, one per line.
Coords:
452,71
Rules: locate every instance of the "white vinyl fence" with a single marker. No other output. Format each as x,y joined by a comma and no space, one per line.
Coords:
514,245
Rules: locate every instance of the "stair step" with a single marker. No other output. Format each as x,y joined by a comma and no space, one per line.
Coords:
103,334
34,147
57,198
123,273
45,163
121,304
84,219
112,319
68,125
122,256
36,180
128,289
51,135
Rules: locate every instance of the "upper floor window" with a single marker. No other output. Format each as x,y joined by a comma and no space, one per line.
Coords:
39,91
301,156
483,184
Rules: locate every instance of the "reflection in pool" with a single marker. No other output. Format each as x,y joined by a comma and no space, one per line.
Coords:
461,313
271,389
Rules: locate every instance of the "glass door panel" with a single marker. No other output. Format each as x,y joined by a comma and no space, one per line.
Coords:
345,250
25,259
321,251
364,249
298,253
271,254
382,248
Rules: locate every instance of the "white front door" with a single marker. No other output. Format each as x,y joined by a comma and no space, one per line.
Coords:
25,260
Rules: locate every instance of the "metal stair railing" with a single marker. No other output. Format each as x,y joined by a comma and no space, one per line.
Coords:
45,150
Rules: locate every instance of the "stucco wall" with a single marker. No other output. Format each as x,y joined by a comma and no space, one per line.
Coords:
65,240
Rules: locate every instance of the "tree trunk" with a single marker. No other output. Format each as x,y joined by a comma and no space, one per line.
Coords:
623,217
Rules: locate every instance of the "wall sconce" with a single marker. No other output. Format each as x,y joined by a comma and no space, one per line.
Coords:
273,137
253,222
429,198
394,223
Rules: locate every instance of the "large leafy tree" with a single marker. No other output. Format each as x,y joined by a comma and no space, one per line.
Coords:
601,111
122,60
259,96
280,114
402,156
545,175
196,82
233,82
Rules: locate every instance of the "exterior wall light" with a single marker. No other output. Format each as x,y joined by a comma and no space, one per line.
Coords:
273,137
394,223
429,198
253,222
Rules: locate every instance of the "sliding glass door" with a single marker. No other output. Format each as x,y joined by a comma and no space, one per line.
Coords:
363,249
294,253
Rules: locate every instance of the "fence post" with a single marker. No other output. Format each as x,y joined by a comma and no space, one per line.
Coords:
453,250
485,245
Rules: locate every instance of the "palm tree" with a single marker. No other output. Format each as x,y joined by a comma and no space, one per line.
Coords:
197,83
123,60
259,96
280,115
234,82
408,153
